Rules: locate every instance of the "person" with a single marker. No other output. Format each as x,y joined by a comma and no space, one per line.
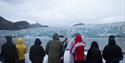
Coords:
54,49
37,52
78,49
65,43
21,49
9,51
71,43
112,53
94,54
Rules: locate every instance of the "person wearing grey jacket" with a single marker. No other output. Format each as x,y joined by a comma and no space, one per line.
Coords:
54,49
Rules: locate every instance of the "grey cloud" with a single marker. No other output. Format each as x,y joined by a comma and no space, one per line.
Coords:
13,1
64,12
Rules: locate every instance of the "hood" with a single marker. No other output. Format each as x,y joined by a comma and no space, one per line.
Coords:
112,40
55,36
37,42
78,38
20,41
94,45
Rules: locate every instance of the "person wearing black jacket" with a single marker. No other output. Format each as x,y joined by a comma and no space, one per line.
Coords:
112,53
9,51
37,52
94,54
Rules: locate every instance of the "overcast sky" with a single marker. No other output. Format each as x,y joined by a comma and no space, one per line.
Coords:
63,12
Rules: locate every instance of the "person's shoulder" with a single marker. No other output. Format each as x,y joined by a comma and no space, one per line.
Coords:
4,45
50,41
118,47
22,46
90,50
98,50
17,46
9,44
13,44
41,47
107,46
32,46
61,42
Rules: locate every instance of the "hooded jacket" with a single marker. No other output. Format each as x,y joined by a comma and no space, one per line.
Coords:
54,49
78,48
112,52
94,54
37,52
21,49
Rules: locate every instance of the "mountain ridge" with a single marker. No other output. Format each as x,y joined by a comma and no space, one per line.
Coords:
8,25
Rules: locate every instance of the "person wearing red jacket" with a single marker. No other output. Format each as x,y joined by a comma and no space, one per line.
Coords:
78,49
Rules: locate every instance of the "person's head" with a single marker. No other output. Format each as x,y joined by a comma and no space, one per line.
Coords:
55,36
9,38
37,41
111,40
20,41
74,35
94,45
78,38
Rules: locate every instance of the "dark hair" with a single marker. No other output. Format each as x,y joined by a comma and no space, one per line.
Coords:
112,40
94,45
37,41
8,38
112,37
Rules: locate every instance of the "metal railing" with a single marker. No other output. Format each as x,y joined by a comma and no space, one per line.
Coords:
102,50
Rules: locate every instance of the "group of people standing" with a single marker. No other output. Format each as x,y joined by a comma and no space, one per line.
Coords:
55,49
111,53
12,53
